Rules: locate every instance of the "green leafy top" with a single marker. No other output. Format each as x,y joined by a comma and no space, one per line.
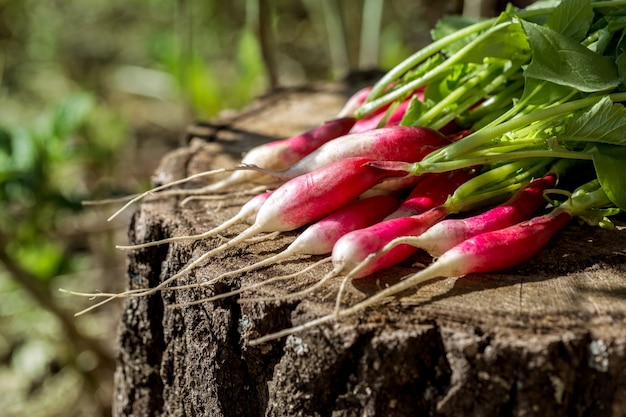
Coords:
543,82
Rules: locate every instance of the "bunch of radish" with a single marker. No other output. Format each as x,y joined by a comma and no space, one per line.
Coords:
478,121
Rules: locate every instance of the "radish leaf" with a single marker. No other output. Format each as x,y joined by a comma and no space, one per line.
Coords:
541,93
609,162
621,68
571,18
604,122
508,43
564,61
543,4
415,110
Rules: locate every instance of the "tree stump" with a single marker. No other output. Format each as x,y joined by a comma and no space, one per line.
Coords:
546,338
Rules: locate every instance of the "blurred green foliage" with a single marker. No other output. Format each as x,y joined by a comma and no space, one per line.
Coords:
92,93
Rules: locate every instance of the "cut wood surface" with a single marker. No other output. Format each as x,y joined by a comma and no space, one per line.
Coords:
546,338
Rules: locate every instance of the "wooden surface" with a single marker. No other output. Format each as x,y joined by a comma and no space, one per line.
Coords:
547,338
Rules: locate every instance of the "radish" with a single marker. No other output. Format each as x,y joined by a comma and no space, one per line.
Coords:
281,154
352,248
447,233
503,248
320,237
300,201
276,155
378,119
486,252
396,143
247,212
405,143
354,102
432,190
351,253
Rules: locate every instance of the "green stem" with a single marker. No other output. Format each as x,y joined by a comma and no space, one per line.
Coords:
489,178
431,49
608,3
472,100
489,133
587,196
493,105
379,88
440,70
420,168
377,97
456,95
494,184
505,147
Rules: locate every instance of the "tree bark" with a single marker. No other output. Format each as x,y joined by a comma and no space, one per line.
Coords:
546,338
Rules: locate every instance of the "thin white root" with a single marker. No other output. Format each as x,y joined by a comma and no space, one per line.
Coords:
149,291
363,264
110,297
105,201
168,185
248,233
198,192
199,236
276,175
297,294
340,291
262,238
292,330
236,219
275,259
433,271
242,289
221,197
403,240
91,295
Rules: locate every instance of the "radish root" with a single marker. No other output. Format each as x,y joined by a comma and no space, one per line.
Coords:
196,191
332,274
242,289
431,272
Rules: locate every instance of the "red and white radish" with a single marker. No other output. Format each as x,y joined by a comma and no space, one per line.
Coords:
300,201
352,248
354,102
281,154
381,119
486,252
397,143
355,247
320,237
276,155
483,253
317,239
247,213
447,233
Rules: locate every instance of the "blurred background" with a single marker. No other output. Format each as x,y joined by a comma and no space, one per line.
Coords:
92,95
